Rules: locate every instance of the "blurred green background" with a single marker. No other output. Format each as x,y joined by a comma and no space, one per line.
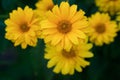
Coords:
29,64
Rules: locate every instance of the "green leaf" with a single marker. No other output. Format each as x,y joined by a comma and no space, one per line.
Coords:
9,5
98,64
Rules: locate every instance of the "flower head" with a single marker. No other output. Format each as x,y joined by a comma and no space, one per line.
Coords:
103,29
111,6
42,6
23,27
67,62
64,26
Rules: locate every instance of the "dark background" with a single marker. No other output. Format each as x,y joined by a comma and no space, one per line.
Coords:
29,64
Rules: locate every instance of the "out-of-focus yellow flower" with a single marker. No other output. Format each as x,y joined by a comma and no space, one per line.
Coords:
67,62
42,6
103,30
64,26
23,27
111,6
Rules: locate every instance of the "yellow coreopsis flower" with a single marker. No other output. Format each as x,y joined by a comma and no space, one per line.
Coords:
42,6
103,30
67,62
64,26
23,27
111,6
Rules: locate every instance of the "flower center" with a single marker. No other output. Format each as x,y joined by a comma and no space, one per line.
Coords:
69,54
100,28
24,28
64,26
50,7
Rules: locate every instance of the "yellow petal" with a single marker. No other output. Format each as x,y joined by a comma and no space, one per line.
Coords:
23,45
56,10
78,16
71,71
67,44
80,24
58,67
73,38
78,68
49,31
106,40
99,40
64,8
83,62
66,69
56,39
47,24
27,39
17,16
79,34
28,14
10,23
52,17
48,38
52,62
86,54
49,55
73,10
19,40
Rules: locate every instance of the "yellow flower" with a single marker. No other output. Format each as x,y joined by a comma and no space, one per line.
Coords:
64,26
111,6
103,30
42,6
23,27
67,62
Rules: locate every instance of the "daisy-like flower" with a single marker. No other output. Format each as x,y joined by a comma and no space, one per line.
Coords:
111,6
23,27
67,62
42,6
103,30
64,26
